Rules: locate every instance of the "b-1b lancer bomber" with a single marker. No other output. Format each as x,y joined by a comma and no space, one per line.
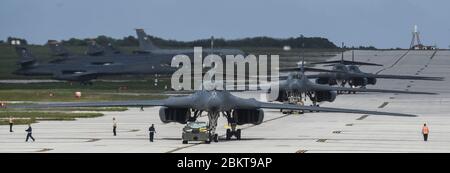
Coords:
350,73
83,69
183,109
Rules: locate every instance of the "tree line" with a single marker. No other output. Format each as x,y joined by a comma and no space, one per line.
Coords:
297,42
263,41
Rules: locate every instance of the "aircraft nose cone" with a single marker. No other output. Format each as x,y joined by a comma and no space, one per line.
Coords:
295,85
213,104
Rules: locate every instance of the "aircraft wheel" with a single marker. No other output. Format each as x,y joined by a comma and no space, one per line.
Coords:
216,138
211,138
228,134
238,134
185,142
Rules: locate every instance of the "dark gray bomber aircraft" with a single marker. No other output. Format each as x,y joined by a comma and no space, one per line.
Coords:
351,74
84,68
298,85
188,108
102,61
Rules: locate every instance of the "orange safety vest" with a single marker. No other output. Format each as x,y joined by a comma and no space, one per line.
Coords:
425,130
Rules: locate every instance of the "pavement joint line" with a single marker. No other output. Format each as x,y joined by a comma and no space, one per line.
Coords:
192,145
395,63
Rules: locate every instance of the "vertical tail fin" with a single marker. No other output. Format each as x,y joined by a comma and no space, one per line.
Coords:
94,49
145,44
26,58
353,55
57,48
342,55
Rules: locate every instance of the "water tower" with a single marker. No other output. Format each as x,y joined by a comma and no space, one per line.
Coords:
415,41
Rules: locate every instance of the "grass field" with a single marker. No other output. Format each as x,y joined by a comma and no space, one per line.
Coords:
26,117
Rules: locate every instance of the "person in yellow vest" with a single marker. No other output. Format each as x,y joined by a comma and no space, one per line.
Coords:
425,132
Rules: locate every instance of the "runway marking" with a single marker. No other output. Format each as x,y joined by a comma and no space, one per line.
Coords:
134,130
362,117
192,145
44,150
321,140
384,104
301,151
337,132
93,140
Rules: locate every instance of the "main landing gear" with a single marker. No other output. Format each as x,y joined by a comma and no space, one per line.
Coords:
233,132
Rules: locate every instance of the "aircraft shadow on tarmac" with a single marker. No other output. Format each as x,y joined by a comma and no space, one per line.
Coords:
249,139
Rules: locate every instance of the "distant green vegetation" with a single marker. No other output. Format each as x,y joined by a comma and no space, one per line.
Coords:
91,109
294,42
26,117
68,95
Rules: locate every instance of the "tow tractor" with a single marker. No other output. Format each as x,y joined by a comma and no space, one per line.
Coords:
198,131
294,100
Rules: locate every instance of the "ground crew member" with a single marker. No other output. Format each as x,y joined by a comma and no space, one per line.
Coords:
425,132
11,122
152,132
142,108
114,126
29,133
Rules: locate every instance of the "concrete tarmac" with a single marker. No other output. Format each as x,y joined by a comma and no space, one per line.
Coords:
309,132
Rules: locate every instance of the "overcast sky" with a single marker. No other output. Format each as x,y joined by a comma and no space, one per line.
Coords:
381,23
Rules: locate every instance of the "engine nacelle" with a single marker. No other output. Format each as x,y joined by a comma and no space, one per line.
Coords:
179,115
282,96
248,116
328,96
372,81
358,81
